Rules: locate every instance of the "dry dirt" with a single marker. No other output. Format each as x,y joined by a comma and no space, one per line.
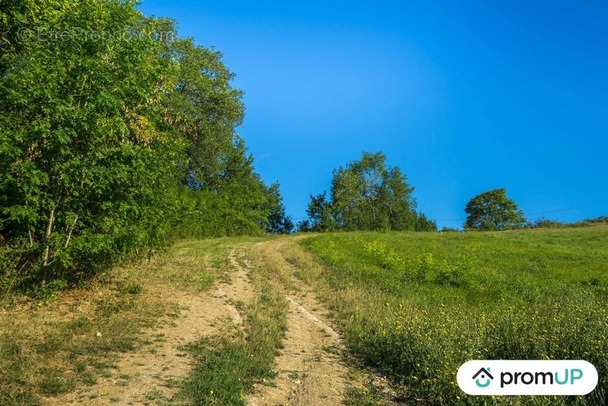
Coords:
310,370
141,377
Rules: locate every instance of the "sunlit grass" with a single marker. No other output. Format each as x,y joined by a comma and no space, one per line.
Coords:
419,305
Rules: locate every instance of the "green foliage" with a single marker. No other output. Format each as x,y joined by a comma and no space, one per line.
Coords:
320,214
110,137
81,162
419,305
278,221
424,224
449,230
239,205
367,195
546,223
493,210
303,226
204,109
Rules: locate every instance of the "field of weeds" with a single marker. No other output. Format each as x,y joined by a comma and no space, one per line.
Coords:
418,305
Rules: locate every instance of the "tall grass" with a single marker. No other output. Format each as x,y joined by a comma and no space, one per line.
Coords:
419,305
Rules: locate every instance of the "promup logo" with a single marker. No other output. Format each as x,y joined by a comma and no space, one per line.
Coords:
484,375
527,377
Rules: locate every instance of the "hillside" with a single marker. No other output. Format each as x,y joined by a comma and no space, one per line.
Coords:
301,319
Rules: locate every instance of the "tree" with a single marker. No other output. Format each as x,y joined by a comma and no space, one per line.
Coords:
367,195
493,210
227,196
398,205
303,226
86,175
236,202
278,221
320,215
202,110
112,134
423,223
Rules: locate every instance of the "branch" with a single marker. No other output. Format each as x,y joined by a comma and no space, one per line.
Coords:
47,235
67,242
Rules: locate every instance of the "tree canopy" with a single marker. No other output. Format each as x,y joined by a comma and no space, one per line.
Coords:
367,195
114,132
493,210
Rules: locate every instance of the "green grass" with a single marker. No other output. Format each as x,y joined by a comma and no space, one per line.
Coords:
227,367
418,305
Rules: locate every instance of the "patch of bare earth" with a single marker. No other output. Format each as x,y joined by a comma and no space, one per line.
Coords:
310,368
149,374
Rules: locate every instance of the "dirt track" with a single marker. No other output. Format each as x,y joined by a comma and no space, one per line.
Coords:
309,368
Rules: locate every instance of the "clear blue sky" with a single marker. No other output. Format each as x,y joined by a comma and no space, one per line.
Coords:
462,96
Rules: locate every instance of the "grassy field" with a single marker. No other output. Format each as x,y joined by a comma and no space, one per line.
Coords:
71,339
418,305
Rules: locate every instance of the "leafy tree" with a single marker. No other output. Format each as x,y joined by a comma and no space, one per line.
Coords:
228,197
203,109
367,195
424,224
320,214
81,161
114,135
493,210
303,226
547,223
278,221
236,203
398,205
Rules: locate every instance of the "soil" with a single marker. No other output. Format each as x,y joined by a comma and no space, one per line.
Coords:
310,368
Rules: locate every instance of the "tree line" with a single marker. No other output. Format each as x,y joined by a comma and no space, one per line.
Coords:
115,135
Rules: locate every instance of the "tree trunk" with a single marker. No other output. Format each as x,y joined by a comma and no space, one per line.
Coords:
71,229
47,235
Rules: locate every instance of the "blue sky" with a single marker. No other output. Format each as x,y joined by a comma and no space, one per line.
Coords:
462,96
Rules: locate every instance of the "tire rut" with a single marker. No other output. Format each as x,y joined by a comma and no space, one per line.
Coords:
310,369
148,374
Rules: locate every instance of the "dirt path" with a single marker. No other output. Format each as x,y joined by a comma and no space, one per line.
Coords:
148,375
310,370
